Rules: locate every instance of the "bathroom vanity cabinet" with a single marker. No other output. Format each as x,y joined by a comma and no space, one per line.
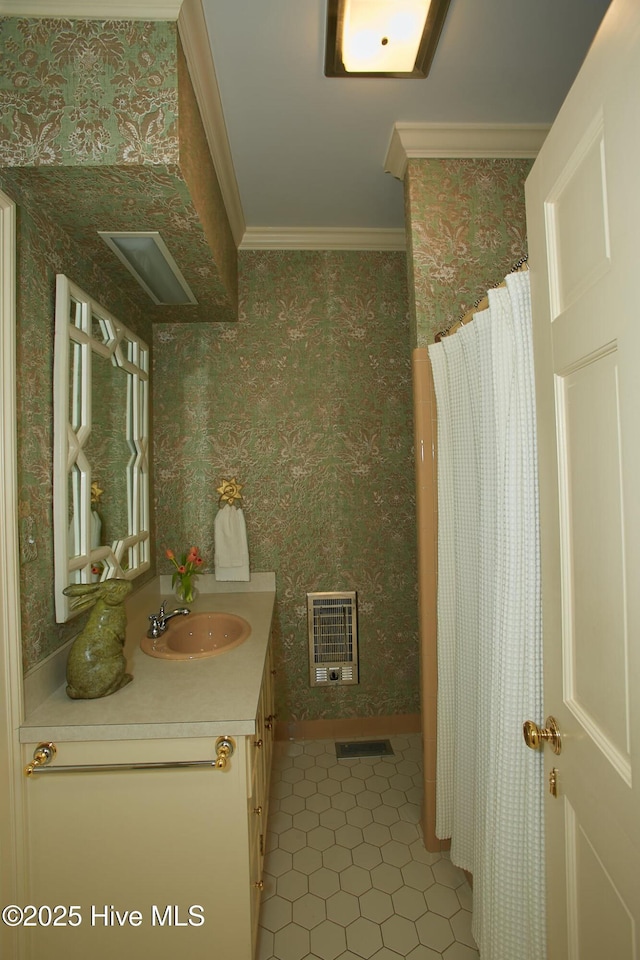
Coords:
162,862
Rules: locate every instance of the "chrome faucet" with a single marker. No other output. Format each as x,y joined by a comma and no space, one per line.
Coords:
160,620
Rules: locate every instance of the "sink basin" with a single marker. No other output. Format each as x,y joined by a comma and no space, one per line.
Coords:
198,635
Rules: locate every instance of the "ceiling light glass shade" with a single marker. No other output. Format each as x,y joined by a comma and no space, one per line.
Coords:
147,257
382,38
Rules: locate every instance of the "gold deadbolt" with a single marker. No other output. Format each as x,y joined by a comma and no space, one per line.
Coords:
535,736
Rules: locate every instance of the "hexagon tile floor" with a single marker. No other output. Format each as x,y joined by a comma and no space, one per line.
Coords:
346,873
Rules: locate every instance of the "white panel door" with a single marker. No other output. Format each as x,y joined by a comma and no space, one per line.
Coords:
583,214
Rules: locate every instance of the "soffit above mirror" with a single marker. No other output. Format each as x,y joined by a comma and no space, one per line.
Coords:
120,147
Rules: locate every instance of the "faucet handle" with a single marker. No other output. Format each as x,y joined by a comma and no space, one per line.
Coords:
161,614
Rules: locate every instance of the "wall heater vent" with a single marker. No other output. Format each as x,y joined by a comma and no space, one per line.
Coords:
333,638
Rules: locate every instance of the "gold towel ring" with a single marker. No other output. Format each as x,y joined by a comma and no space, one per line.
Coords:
229,491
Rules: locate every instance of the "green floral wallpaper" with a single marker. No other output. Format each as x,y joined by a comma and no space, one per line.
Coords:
467,226
88,92
307,402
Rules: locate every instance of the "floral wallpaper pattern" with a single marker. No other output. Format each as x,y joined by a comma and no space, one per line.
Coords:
307,402
467,226
98,129
87,92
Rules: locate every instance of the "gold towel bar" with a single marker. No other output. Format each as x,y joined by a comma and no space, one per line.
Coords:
45,752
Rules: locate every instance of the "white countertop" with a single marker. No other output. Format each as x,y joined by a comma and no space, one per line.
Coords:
209,697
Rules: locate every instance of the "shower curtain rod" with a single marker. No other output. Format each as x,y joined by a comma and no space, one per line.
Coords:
481,304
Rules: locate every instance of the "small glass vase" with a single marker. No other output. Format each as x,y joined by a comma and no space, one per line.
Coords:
185,590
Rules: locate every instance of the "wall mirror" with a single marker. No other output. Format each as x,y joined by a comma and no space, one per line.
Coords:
101,446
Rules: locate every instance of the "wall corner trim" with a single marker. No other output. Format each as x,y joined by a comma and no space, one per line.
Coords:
12,797
411,141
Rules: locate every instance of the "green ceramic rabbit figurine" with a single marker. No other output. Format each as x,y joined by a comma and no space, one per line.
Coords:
97,666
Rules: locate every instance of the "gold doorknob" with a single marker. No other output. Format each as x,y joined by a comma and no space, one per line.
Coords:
535,736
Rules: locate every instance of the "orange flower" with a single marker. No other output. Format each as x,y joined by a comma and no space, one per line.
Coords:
186,566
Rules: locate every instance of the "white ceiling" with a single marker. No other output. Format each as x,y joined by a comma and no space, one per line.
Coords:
309,151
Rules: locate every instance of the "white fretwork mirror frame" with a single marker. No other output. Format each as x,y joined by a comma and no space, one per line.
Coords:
130,554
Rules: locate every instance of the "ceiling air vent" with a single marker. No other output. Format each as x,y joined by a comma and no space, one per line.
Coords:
333,638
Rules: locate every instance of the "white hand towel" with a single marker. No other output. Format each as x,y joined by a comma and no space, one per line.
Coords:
231,556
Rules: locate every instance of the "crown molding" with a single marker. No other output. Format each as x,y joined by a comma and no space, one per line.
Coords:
411,141
194,35
321,238
93,9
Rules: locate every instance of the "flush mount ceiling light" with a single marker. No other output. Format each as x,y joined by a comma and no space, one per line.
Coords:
382,38
146,256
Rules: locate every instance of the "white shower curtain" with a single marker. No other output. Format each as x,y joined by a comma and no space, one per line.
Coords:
489,785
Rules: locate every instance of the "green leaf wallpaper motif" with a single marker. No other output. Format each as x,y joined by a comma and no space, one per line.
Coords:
307,401
467,227
88,92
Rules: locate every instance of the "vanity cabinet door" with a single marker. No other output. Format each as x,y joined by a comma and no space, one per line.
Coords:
260,753
256,815
269,713
155,862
